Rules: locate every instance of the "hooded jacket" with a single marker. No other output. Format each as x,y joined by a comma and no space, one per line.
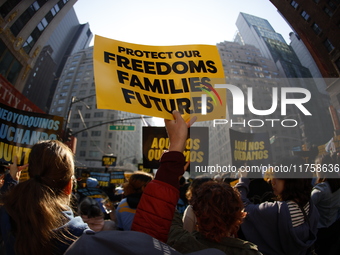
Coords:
74,225
269,226
156,215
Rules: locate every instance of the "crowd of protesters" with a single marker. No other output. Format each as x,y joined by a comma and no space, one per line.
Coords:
166,214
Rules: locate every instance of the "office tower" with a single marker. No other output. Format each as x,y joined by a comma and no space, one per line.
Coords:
75,98
25,27
315,129
68,38
245,67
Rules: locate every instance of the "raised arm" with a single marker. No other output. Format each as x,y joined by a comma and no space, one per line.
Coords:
157,206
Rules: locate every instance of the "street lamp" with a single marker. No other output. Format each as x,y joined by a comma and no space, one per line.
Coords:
73,101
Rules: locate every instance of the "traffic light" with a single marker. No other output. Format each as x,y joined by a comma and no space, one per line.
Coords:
68,135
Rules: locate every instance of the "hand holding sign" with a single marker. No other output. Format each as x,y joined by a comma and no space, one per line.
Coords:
178,131
15,170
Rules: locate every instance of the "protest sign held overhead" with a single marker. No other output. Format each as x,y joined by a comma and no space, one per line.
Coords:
155,80
252,149
156,141
20,130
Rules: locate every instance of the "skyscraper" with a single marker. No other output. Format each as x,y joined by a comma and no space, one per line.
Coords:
25,27
68,38
317,128
245,67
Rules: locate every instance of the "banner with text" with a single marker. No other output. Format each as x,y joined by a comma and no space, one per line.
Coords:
155,80
156,141
251,149
20,130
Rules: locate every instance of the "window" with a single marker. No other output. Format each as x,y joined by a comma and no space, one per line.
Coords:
328,11
62,101
305,15
82,153
87,115
95,133
82,92
95,143
7,7
329,46
84,134
294,4
83,143
316,28
332,5
9,65
94,154
65,87
26,16
75,125
98,114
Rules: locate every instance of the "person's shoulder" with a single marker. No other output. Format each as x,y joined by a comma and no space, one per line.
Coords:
322,186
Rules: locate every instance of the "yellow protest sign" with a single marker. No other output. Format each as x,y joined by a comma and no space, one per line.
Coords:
155,80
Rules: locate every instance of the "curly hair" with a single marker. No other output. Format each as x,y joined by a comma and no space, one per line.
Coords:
195,184
219,210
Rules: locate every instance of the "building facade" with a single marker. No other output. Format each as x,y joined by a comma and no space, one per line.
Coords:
317,24
25,27
245,67
315,129
75,100
68,38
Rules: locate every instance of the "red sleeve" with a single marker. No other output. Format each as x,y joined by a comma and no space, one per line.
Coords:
156,208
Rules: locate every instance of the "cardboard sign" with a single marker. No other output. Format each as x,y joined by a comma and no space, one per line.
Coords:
155,80
20,130
109,161
252,149
156,141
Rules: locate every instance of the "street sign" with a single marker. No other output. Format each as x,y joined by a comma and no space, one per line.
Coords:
122,128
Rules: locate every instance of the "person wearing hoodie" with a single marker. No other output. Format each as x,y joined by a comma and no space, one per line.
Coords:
36,217
287,226
217,206
133,191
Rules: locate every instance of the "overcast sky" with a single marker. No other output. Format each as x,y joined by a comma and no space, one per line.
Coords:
173,22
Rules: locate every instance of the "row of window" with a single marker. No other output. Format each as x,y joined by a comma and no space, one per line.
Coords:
10,67
19,24
327,43
39,29
7,7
